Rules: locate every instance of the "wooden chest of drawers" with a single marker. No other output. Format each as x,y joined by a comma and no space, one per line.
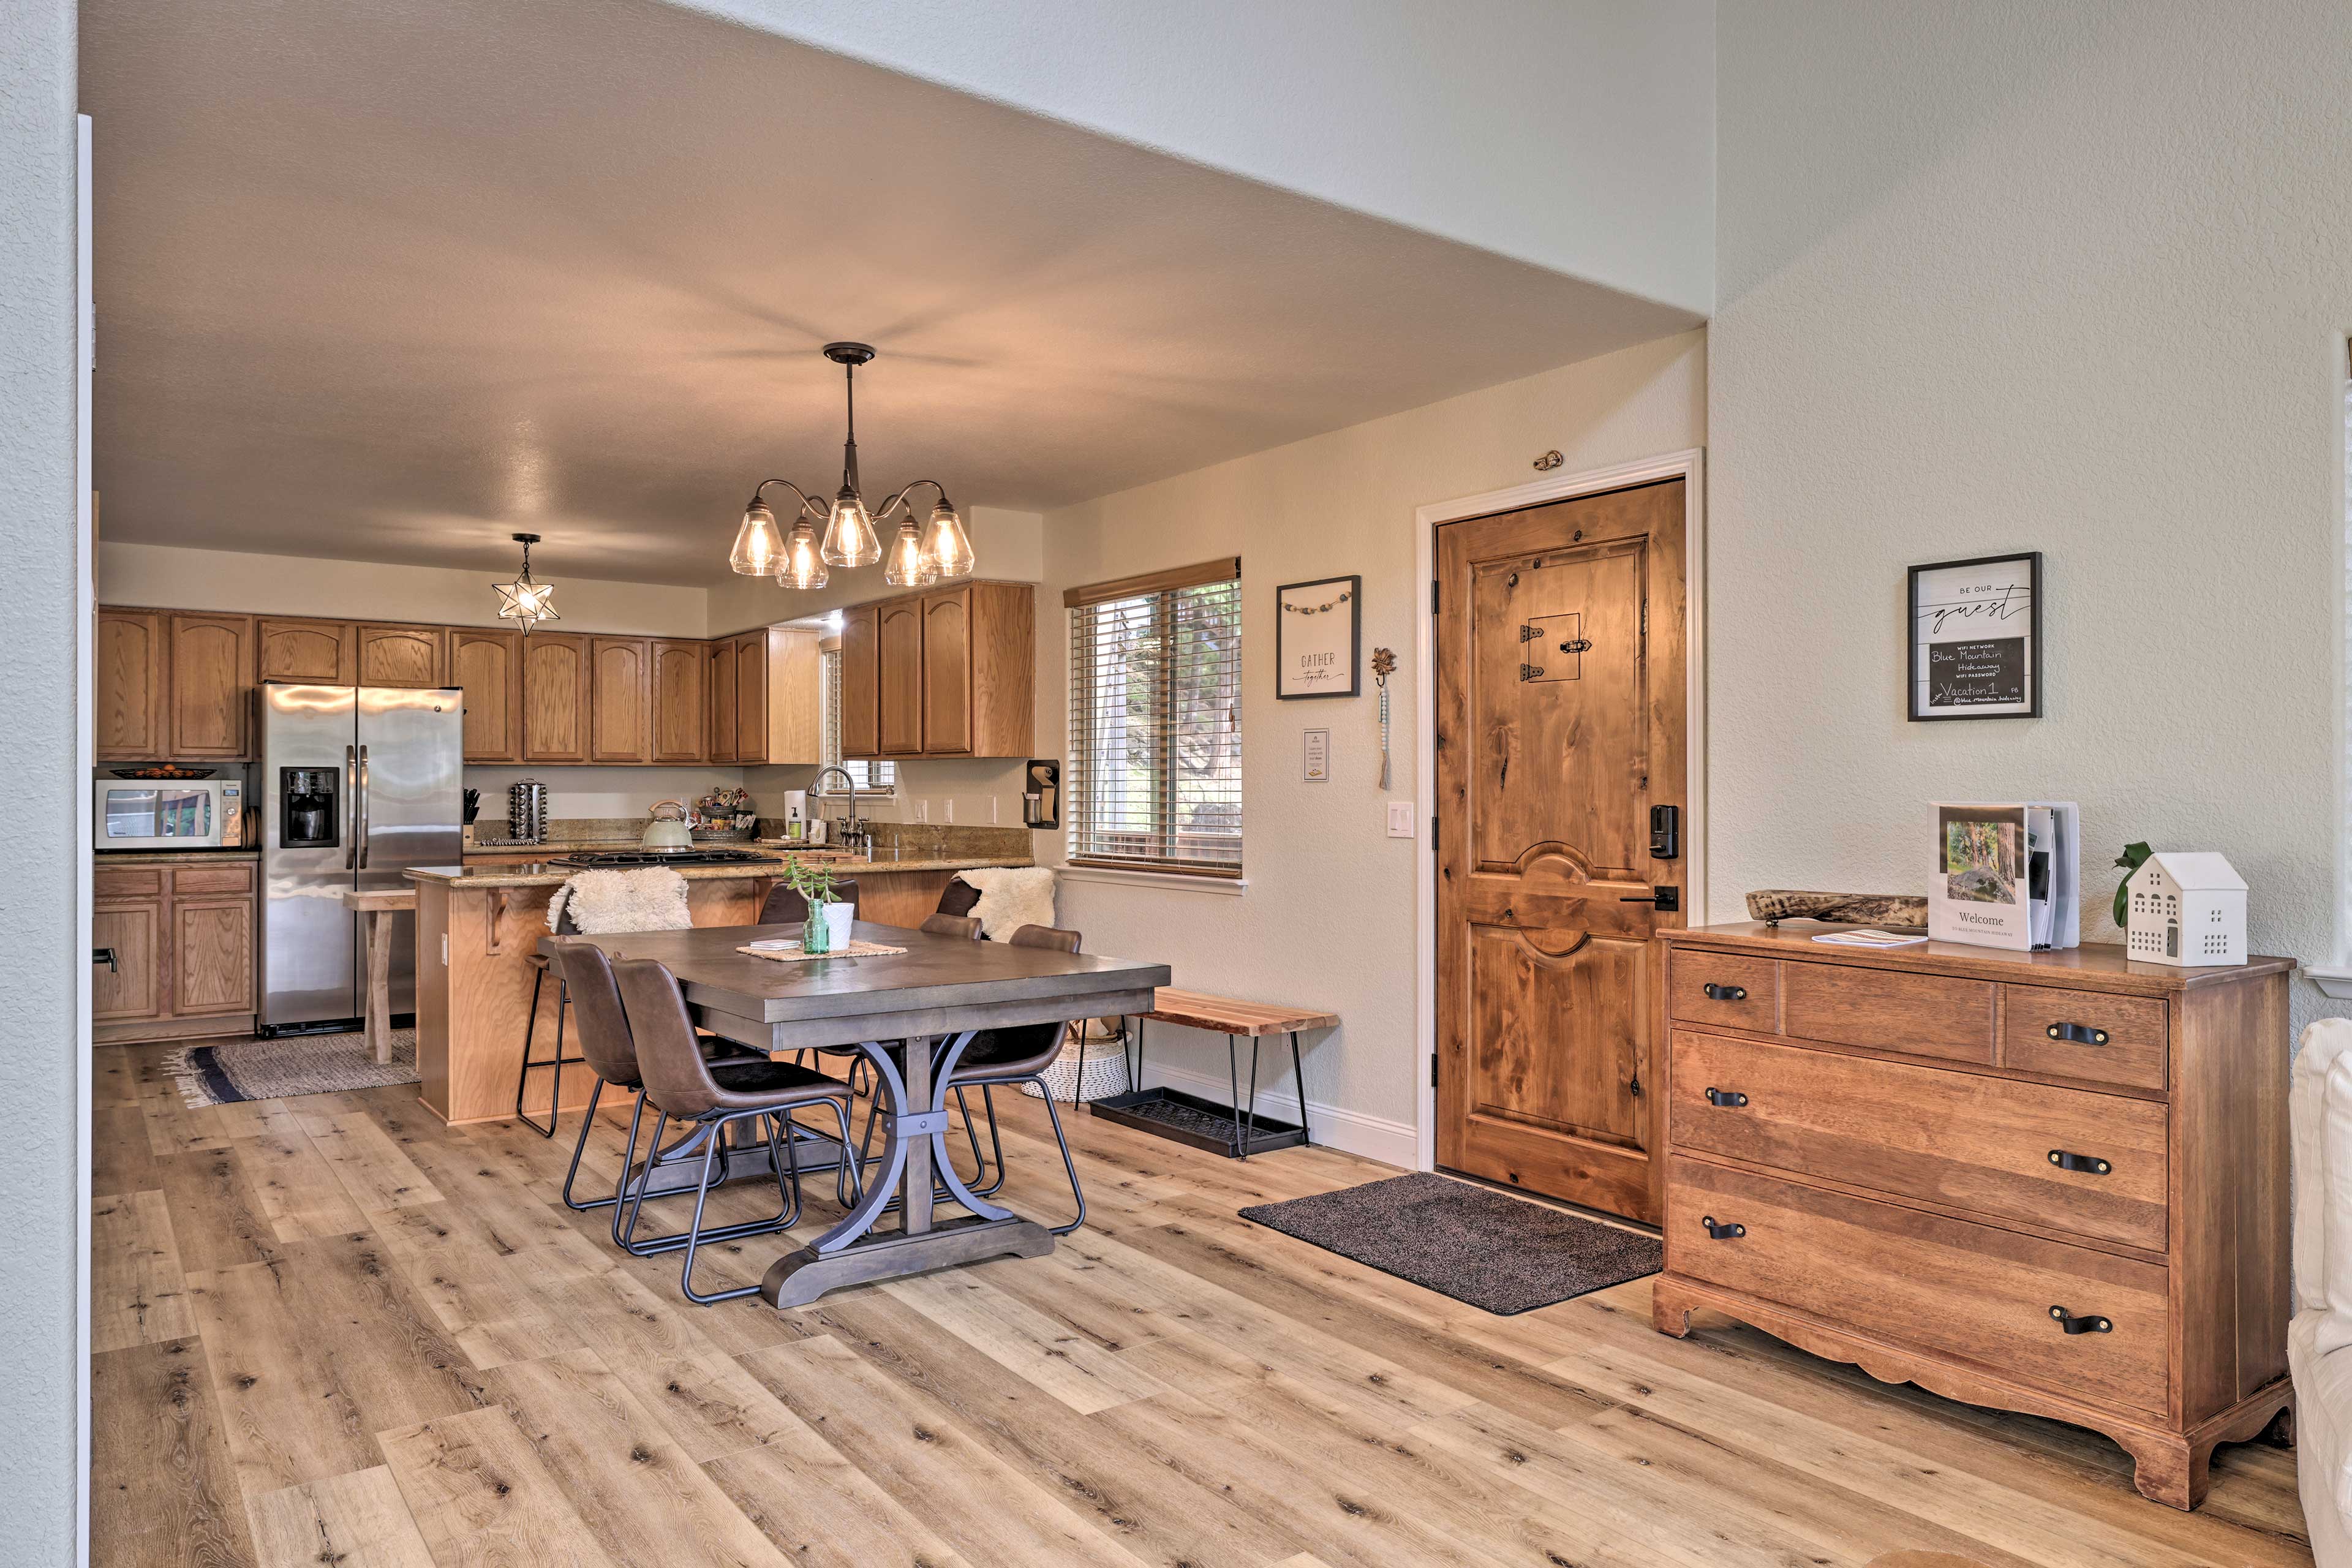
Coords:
2054,1182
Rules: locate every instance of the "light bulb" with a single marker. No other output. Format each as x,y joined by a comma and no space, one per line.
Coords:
946,543
804,564
908,565
849,536
757,546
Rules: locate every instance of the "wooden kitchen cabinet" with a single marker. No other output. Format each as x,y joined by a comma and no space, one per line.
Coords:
722,702
861,713
131,987
325,653
211,954
211,703
898,659
182,942
132,678
951,673
556,677
751,696
488,664
681,701
414,657
620,699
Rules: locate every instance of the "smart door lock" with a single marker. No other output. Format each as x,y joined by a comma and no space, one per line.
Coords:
1665,832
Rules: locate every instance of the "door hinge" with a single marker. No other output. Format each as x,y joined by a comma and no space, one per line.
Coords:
1433,836
1433,595
1645,617
1433,1070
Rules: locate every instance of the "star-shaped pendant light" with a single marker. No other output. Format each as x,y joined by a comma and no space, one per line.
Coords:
523,599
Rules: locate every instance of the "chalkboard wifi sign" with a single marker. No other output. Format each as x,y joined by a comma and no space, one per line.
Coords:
1976,638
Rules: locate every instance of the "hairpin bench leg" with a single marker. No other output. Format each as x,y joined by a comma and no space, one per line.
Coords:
1298,1076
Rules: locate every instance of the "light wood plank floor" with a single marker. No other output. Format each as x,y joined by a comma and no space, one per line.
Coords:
334,1333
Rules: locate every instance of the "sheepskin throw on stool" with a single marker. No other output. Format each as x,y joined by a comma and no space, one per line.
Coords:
603,902
1010,897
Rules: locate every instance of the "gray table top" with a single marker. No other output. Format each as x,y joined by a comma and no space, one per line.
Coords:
934,972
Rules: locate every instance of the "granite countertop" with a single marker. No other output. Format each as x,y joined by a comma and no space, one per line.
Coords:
537,875
106,858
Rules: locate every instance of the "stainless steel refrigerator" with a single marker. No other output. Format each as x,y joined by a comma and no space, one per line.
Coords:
357,784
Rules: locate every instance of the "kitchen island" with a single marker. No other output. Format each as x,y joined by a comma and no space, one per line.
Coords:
477,926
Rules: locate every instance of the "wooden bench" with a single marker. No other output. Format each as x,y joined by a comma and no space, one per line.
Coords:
1186,1117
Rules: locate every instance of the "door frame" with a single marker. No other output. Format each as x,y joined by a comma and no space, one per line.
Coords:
1688,466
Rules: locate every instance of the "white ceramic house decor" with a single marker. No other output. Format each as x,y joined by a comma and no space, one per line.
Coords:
2188,909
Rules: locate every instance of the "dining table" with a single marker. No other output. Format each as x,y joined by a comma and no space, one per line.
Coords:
911,1015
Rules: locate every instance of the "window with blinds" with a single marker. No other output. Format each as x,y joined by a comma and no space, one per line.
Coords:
1155,723
877,777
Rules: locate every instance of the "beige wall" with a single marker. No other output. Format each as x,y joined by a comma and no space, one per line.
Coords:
2012,277
182,579
1326,916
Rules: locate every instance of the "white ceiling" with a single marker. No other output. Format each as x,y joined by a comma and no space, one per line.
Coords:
388,282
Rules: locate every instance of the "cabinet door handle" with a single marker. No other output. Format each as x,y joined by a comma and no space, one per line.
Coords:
1732,1232
105,955
2090,1323
1725,993
1730,1098
2077,1034
2067,1160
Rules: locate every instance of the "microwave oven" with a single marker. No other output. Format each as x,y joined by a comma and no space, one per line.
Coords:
169,814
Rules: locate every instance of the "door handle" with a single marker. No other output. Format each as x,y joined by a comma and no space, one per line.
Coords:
363,809
350,809
1729,1098
105,955
2089,1324
2067,1160
1668,900
2078,1034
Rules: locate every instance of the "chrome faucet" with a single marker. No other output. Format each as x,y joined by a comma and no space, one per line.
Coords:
852,826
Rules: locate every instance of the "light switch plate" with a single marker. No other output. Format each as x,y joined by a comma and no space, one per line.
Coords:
1401,816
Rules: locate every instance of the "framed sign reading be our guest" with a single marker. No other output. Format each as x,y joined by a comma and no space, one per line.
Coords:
1318,637
1976,638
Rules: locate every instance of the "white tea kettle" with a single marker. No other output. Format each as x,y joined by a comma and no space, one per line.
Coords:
666,832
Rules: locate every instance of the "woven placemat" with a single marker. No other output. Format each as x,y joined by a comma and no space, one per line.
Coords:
790,952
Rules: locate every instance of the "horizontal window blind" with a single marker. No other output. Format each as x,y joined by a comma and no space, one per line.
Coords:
869,776
1155,730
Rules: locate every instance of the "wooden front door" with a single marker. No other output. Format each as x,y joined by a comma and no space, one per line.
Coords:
1562,651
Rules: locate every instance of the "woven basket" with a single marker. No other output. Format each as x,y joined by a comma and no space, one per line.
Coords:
1105,1073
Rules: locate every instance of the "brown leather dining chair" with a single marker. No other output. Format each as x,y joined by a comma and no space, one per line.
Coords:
610,1052
1006,1057
682,1088
786,907
963,926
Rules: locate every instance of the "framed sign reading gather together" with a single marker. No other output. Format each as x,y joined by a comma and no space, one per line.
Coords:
1976,638
1318,637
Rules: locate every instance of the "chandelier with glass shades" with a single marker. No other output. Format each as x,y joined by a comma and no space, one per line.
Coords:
916,557
523,599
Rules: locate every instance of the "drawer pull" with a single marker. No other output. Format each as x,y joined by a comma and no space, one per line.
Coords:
1731,1232
2067,1160
2090,1324
1725,993
1730,1098
2079,1034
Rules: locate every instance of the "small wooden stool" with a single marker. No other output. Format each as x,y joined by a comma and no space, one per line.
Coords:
375,910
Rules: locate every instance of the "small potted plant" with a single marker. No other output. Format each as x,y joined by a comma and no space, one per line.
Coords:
827,928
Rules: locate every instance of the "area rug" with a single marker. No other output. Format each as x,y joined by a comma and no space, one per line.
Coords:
1493,1251
286,1067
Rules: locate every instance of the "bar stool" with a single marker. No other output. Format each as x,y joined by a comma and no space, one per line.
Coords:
681,1085
610,1053
1021,1055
